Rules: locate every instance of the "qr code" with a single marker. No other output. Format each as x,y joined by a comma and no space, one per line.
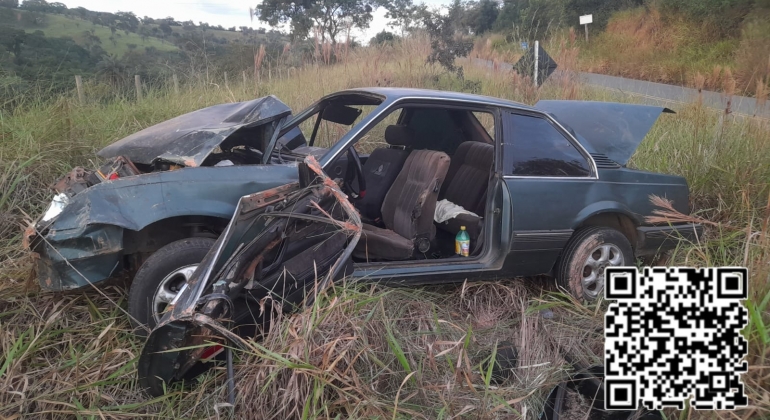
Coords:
674,333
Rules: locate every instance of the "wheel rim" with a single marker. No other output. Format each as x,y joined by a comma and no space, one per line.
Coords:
169,288
603,256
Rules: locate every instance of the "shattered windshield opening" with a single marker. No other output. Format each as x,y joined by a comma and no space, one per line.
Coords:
323,124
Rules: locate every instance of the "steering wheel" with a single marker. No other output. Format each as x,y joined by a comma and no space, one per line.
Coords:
355,171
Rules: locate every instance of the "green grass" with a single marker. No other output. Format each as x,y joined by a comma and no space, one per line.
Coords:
353,352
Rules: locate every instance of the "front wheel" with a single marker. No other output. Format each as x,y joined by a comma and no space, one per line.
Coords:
160,279
592,249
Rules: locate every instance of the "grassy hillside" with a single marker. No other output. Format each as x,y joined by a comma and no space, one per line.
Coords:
646,44
361,351
63,26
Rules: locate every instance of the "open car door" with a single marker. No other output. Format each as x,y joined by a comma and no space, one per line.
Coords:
280,249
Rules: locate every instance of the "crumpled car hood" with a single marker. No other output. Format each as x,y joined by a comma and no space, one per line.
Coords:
188,139
613,129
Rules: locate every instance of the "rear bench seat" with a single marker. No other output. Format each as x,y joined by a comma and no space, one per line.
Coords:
466,185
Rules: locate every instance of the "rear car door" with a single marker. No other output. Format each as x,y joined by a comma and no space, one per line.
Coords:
549,177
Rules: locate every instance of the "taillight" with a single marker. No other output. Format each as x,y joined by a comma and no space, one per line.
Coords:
211,352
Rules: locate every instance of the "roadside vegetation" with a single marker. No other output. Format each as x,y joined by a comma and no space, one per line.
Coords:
704,44
359,351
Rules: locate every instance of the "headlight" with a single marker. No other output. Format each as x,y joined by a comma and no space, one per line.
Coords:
58,204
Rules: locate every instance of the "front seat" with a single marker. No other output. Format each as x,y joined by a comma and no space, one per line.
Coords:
407,211
381,169
466,185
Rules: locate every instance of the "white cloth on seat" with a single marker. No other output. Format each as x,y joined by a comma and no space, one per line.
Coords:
446,210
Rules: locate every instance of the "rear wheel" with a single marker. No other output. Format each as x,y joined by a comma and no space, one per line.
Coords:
160,279
592,249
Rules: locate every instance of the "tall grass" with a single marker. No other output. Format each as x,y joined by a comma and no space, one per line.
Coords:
359,351
646,44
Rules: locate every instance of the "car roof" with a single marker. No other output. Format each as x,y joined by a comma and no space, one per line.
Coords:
395,93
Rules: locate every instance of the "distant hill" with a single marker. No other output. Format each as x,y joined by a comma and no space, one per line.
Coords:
44,45
83,32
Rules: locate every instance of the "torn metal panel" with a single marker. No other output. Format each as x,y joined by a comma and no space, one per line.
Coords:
274,247
188,139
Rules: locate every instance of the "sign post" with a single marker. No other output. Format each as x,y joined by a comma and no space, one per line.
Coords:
537,58
585,20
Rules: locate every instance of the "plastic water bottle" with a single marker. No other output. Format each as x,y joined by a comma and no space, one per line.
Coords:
462,242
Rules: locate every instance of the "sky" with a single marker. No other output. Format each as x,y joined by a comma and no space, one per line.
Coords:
227,13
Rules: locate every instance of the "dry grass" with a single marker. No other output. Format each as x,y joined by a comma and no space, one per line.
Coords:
645,44
373,353
360,351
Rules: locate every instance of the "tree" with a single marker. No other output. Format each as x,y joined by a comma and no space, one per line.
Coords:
165,28
482,16
382,37
57,7
509,16
111,70
447,38
35,5
9,3
330,16
404,14
12,40
127,21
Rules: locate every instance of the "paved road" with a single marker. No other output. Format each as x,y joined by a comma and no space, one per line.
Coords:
662,94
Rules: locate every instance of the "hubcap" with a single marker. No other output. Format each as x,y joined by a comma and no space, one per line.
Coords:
168,288
603,256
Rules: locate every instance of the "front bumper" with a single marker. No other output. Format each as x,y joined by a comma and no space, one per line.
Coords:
76,258
654,239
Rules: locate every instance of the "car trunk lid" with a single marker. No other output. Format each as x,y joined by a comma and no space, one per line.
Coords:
612,129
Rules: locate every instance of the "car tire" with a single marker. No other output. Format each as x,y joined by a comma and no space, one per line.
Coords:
159,279
580,269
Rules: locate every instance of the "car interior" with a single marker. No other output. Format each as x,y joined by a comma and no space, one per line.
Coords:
419,158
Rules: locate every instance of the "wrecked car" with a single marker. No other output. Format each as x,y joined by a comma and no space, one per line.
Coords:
539,190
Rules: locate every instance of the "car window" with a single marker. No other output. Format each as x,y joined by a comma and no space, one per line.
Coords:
330,132
434,129
375,137
534,147
487,121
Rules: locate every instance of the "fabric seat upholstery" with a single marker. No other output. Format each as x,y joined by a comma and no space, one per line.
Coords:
408,208
381,169
466,185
